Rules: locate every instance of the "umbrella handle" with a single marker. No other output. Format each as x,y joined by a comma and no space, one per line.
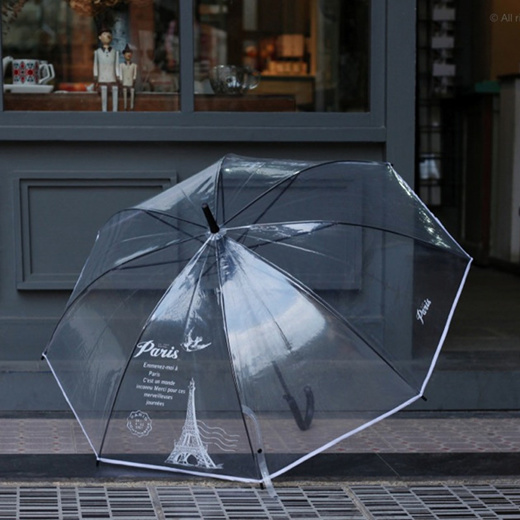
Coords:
304,423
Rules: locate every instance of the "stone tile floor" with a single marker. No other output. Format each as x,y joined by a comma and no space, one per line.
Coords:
404,433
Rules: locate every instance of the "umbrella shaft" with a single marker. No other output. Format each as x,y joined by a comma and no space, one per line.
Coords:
213,226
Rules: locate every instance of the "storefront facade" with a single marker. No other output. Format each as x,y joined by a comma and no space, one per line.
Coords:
336,82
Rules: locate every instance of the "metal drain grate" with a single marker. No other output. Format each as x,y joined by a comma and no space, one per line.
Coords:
233,503
480,502
173,502
356,502
75,503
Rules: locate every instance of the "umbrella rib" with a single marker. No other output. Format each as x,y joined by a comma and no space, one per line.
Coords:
124,263
221,192
318,299
282,240
259,216
152,264
120,266
157,214
230,357
289,180
326,224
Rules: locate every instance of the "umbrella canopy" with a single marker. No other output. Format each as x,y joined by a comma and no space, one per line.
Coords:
255,314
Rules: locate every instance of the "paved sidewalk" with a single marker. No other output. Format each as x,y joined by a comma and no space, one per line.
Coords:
411,466
405,432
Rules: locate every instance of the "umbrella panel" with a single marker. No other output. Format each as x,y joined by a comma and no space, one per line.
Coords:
136,234
283,337
103,323
364,194
186,387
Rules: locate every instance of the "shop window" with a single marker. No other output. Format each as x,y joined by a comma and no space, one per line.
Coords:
49,62
243,55
305,55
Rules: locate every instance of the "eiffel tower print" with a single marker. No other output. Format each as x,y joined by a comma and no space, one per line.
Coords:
190,444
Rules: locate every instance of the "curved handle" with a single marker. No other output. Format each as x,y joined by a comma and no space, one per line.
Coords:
47,70
304,423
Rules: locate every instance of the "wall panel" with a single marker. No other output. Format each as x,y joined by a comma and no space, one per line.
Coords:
58,219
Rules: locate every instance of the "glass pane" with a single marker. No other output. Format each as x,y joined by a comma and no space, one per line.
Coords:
286,55
90,55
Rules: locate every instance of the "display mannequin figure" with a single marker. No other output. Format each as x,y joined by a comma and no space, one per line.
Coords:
106,66
128,74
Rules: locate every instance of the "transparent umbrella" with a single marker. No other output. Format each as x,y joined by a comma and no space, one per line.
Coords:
254,315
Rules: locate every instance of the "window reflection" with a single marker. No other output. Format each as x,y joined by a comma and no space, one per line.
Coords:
64,35
311,55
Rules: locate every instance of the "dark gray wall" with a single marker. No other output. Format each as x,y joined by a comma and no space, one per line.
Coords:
53,198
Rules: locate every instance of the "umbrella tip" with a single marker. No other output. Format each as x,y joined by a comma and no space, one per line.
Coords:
213,226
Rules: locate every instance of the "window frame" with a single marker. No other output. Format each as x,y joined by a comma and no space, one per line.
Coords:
190,125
